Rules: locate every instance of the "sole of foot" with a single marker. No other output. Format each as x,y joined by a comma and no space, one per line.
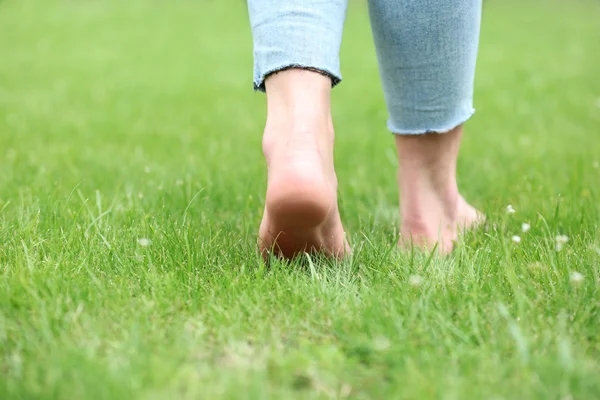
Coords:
301,212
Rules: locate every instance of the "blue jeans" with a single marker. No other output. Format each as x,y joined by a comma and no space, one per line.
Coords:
426,51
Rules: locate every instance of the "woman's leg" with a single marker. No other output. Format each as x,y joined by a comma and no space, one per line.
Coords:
296,47
427,51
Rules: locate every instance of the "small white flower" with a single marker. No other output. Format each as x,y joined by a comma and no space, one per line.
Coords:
510,209
576,278
415,280
381,343
516,239
525,227
144,242
560,241
179,182
147,169
140,195
596,164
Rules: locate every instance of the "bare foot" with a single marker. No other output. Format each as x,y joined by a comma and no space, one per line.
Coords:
301,210
440,225
432,209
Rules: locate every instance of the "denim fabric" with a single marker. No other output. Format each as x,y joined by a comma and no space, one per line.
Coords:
426,50
299,33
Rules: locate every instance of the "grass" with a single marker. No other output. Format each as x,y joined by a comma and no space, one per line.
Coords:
122,121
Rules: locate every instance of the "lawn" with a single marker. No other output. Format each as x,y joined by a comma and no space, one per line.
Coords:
132,184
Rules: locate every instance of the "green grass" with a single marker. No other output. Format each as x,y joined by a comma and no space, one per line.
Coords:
129,120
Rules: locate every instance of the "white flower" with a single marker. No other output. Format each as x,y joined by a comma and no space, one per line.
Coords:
525,227
382,343
510,209
144,242
516,239
596,164
415,280
147,169
576,278
560,241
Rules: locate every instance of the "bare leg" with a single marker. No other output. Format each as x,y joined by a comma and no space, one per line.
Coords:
427,51
301,211
431,207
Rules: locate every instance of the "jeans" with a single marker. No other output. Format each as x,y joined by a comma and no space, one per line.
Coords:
426,51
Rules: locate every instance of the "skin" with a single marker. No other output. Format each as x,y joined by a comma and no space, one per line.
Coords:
301,208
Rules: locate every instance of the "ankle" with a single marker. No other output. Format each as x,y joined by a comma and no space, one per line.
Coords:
426,208
313,135
433,151
299,115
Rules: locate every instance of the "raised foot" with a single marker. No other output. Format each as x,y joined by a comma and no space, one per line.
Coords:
301,212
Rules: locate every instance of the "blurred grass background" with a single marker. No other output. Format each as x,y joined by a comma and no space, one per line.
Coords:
137,119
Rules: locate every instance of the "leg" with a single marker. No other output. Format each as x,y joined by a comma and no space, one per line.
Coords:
431,207
296,62
427,51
